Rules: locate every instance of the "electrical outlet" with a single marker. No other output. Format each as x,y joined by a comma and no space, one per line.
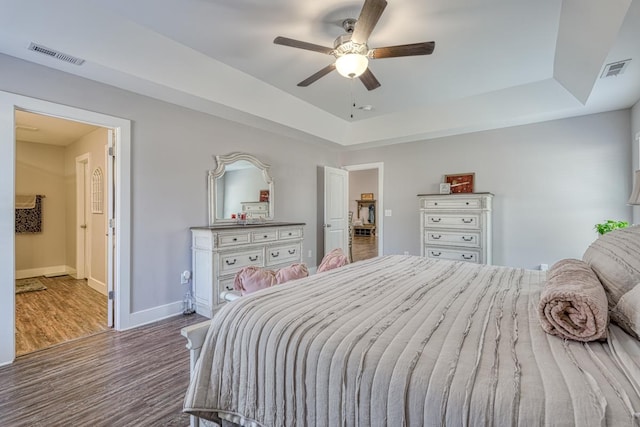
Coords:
184,277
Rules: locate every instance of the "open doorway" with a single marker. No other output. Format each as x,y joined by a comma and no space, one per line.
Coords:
366,210
61,244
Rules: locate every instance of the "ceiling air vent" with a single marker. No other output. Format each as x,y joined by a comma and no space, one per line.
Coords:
55,54
615,68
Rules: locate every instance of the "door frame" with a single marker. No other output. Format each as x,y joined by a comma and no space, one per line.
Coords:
83,239
9,102
380,198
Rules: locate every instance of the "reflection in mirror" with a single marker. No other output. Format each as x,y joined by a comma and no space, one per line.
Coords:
240,187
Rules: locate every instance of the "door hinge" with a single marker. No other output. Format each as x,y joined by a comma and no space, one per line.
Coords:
111,151
112,223
111,295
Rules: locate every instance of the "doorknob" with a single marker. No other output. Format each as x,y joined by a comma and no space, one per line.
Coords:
327,225
83,226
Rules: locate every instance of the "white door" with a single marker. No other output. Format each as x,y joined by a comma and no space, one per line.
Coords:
336,208
110,159
82,216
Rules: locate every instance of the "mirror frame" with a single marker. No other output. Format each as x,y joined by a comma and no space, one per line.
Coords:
221,163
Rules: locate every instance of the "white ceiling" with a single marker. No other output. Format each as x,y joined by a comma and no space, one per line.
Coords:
49,130
496,63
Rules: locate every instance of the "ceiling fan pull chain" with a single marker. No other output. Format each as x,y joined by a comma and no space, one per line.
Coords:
353,99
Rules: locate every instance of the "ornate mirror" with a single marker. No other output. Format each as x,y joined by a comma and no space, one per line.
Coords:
240,186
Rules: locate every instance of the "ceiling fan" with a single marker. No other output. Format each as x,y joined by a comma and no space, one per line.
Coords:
351,51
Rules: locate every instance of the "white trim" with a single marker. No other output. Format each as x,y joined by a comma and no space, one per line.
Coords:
154,314
58,270
380,214
122,279
97,285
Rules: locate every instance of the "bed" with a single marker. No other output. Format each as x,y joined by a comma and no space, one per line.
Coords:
404,340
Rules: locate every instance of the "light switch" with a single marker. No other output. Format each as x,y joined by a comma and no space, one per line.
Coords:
387,212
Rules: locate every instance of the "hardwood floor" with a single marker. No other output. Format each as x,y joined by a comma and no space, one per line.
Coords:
364,247
67,310
130,378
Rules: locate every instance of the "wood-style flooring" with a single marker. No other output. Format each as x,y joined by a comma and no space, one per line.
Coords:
364,247
67,310
132,378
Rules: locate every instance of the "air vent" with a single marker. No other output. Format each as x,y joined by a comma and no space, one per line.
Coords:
55,54
615,68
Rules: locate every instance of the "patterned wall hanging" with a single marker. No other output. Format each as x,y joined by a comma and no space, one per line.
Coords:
96,191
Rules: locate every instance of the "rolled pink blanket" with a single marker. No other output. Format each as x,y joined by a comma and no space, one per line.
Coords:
292,272
573,303
251,279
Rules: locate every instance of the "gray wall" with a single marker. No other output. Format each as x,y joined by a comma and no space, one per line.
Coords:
552,182
171,150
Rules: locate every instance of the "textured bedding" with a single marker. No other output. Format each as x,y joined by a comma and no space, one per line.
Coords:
402,340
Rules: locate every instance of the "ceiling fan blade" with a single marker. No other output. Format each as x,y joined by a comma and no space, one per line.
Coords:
369,80
302,45
424,48
326,70
371,12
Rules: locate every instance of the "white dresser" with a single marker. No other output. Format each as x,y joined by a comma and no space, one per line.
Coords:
456,226
220,251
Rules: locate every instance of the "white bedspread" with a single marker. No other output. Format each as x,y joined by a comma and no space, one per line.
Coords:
403,340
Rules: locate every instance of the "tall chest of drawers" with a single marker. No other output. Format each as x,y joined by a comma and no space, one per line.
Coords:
456,226
220,251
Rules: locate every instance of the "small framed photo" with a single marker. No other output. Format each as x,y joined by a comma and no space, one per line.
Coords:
264,195
366,196
461,182
445,188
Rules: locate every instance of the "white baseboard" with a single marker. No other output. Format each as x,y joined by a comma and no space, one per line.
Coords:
144,317
55,270
97,285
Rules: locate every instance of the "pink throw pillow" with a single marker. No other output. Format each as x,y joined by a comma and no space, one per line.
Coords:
334,259
251,279
294,271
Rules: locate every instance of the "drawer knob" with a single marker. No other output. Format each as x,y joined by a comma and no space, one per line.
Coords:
467,203
253,258
290,234
265,236
230,262
228,287
235,239
436,236
467,221
467,257
292,251
436,253
467,238
436,219
436,203
276,254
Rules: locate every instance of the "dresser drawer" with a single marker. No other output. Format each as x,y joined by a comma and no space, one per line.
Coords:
451,220
233,262
283,254
452,254
233,239
290,233
264,236
452,238
225,285
451,203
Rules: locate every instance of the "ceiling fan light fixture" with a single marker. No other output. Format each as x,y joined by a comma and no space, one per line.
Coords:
352,65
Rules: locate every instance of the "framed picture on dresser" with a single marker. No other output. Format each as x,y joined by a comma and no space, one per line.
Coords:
461,182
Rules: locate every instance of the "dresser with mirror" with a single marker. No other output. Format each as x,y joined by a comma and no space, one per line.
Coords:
241,230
